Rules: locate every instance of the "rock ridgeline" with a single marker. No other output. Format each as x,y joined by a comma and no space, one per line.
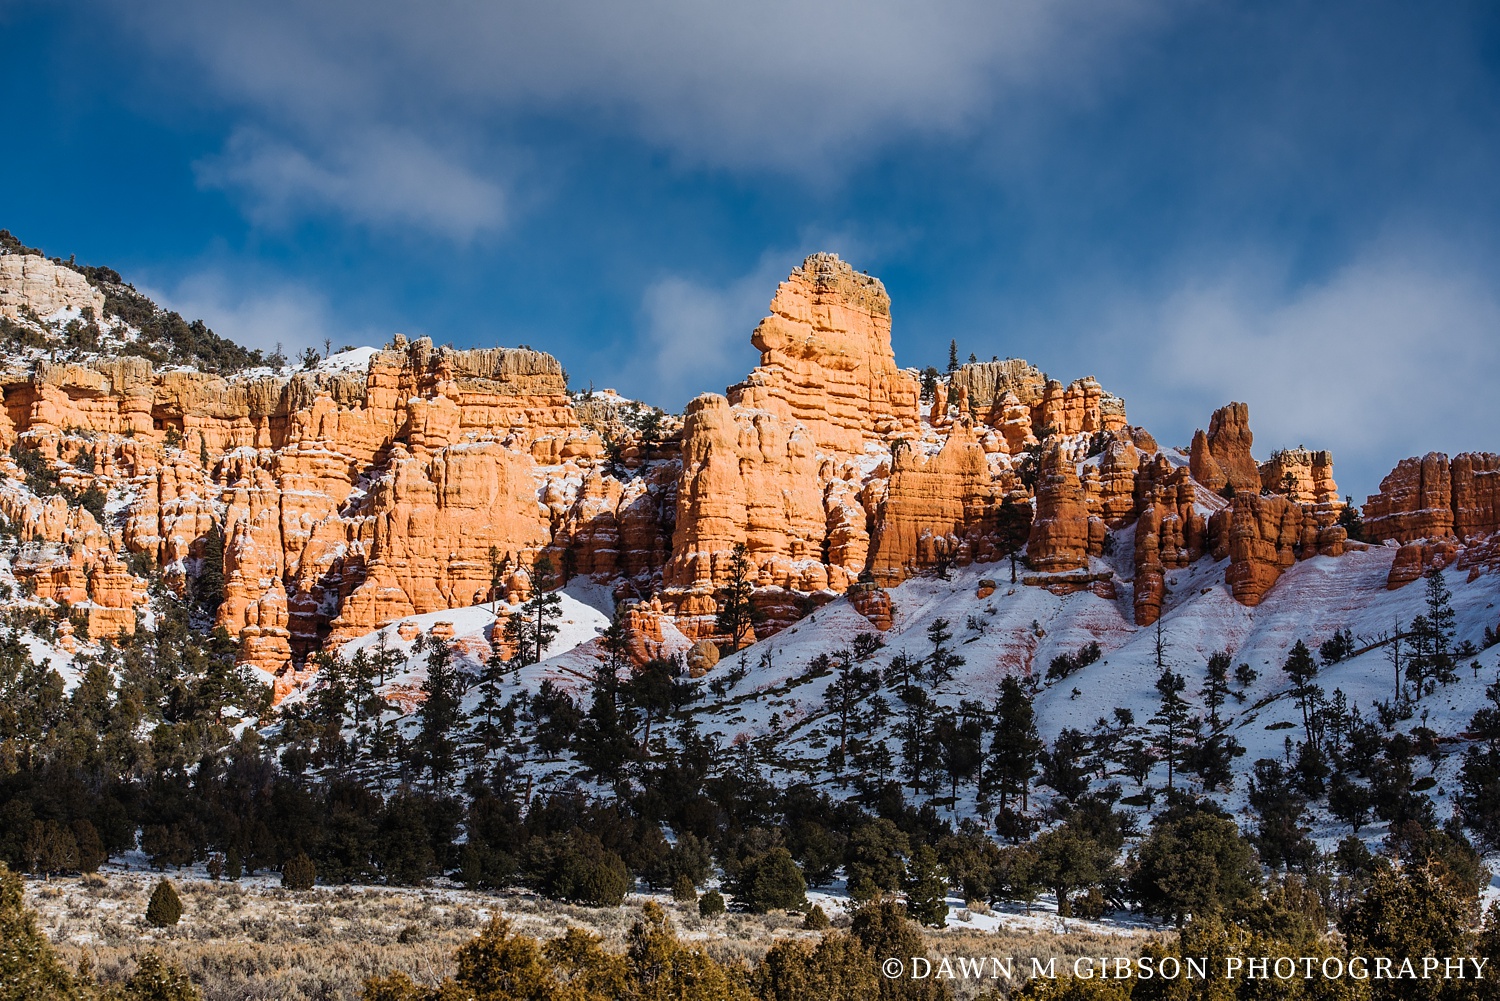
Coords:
346,500
1431,505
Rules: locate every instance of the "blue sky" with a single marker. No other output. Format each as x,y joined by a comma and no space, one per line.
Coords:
1292,204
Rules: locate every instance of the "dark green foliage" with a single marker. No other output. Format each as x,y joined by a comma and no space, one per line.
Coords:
208,590
1065,664
883,929
1351,522
1336,648
28,967
299,873
816,920
770,881
439,714
927,888
1280,805
1016,747
575,867
1193,863
683,890
711,904
1070,858
155,979
165,907
535,626
737,613
1064,767
875,860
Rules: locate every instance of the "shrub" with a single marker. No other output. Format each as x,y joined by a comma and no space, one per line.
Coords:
299,873
711,904
683,890
580,870
816,920
770,881
165,908
157,980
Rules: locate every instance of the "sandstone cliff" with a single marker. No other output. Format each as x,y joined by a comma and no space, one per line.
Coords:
346,500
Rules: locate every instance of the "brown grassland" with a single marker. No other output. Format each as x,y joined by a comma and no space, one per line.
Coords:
254,941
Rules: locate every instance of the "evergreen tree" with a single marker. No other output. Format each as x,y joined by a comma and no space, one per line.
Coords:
440,713
952,357
770,881
299,873
28,966
165,907
737,614
942,662
1063,767
1070,858
1172,722
927,889
1279,805
1431,658
1216,685
875,859
1301,669
1013,529
603,745
845,696
960,748
532,629
651,692
1479,778
208,591
497,579
1193,863
1016,747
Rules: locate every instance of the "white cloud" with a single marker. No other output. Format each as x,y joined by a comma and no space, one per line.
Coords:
781,83
378,178
258,316
697,335
1392,355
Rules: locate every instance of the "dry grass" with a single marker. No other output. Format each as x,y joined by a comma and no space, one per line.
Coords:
253,941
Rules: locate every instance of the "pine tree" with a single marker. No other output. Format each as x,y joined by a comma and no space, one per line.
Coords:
209,589
299,873
1013,529
1302,669
738,615
942,662
439,715
1172,722
1216,686
952,357
497,579
28,966
535,626
927,889
1431,658
845,696
1016,747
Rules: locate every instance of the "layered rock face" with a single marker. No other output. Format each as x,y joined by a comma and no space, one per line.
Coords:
1169,534
1064,534
1305,477
34,283
1018,399
942,507
346,500
826,360
1433,498
1222,456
